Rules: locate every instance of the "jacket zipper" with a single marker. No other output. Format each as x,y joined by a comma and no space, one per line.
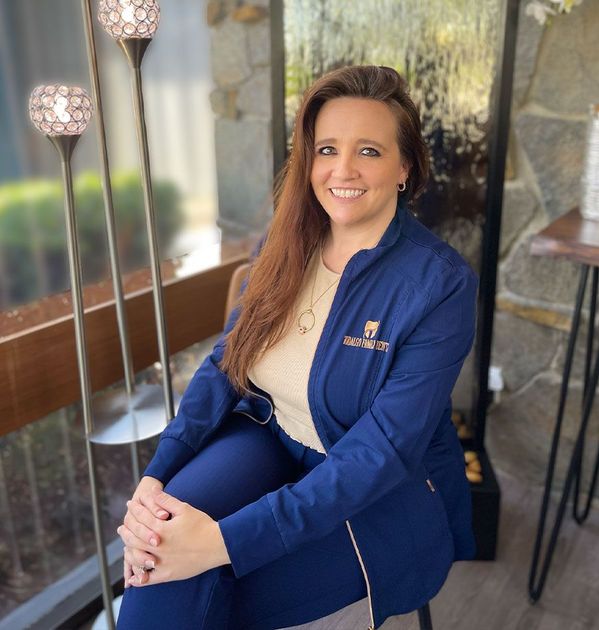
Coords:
353,540
355,544
351,533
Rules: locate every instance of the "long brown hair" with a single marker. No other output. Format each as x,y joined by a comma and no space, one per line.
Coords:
299,223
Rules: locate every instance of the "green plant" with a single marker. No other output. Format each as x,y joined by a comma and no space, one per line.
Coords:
33,238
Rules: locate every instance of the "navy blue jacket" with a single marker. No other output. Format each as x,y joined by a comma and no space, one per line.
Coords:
400,326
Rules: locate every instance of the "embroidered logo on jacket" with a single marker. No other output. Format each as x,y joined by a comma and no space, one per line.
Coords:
367,339
370,329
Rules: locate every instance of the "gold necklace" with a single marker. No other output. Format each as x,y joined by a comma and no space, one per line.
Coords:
303,329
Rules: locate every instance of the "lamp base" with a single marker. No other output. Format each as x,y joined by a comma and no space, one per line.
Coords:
120,419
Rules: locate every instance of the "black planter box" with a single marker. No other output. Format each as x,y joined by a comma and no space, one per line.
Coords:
485,507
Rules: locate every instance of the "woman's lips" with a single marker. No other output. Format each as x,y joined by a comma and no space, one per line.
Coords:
348,198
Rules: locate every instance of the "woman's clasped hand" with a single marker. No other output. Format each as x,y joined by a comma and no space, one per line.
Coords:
166,539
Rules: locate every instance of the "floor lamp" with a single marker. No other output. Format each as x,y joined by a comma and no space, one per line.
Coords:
133,23
142,410
62,113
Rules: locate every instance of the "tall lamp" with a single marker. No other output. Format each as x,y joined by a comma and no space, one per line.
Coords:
133,23
141,410
62,113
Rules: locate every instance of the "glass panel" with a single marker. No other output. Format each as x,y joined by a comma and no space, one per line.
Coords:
45,510
447,50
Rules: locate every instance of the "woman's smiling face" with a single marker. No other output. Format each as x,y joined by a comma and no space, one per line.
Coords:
357,163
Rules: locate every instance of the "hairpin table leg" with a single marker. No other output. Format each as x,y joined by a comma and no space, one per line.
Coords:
575,465
580,517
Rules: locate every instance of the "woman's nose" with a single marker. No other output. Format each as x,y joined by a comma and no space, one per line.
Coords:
345,167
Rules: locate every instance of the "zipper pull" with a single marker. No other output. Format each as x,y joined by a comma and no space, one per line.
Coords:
430,485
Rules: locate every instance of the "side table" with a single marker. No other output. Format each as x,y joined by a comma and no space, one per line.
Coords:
574,238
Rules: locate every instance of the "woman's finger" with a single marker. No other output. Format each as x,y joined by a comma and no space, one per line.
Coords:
144,495
131,540
144,515
127,572
153,577
139,529
147,500
139,570
142,559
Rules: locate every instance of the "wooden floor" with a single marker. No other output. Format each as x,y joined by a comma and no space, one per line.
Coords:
493,595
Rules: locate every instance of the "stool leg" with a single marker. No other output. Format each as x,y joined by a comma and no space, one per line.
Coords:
535,590
424,618
579,516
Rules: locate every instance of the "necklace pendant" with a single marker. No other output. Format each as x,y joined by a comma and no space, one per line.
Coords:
304,328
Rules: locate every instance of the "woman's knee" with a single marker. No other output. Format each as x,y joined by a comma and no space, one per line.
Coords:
242,462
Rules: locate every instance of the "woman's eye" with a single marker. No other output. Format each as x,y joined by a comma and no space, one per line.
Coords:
368,151
372,152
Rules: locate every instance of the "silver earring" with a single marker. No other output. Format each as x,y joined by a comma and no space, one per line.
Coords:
399,187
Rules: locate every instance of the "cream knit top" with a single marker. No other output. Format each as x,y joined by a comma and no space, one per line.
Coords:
284,369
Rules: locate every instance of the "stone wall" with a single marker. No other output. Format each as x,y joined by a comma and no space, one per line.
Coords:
241,101
556,78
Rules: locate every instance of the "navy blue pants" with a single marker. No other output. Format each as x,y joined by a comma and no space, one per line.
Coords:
242,462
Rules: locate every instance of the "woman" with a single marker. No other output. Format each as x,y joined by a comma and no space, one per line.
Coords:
348,338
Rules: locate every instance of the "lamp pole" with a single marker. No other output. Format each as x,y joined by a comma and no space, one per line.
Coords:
133,26
62,113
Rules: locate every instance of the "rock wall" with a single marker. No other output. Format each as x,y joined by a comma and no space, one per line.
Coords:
556,78
241,101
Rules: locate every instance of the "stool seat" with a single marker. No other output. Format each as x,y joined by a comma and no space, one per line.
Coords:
570,236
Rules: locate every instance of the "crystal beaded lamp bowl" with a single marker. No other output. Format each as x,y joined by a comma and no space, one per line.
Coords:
128,19
59,110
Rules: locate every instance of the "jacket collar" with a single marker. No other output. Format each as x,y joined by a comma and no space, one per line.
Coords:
366,257
394,229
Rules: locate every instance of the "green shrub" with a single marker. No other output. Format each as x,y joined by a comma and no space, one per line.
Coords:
32,222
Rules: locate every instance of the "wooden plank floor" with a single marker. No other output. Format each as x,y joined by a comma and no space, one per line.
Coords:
494,595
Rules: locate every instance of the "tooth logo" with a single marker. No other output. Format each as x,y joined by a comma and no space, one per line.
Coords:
367,339
370,329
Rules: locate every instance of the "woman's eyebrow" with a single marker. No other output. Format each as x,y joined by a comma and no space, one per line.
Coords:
358,141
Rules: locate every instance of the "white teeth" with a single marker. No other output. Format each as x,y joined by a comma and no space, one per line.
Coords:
347,192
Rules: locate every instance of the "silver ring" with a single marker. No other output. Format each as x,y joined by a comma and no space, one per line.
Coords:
141,568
